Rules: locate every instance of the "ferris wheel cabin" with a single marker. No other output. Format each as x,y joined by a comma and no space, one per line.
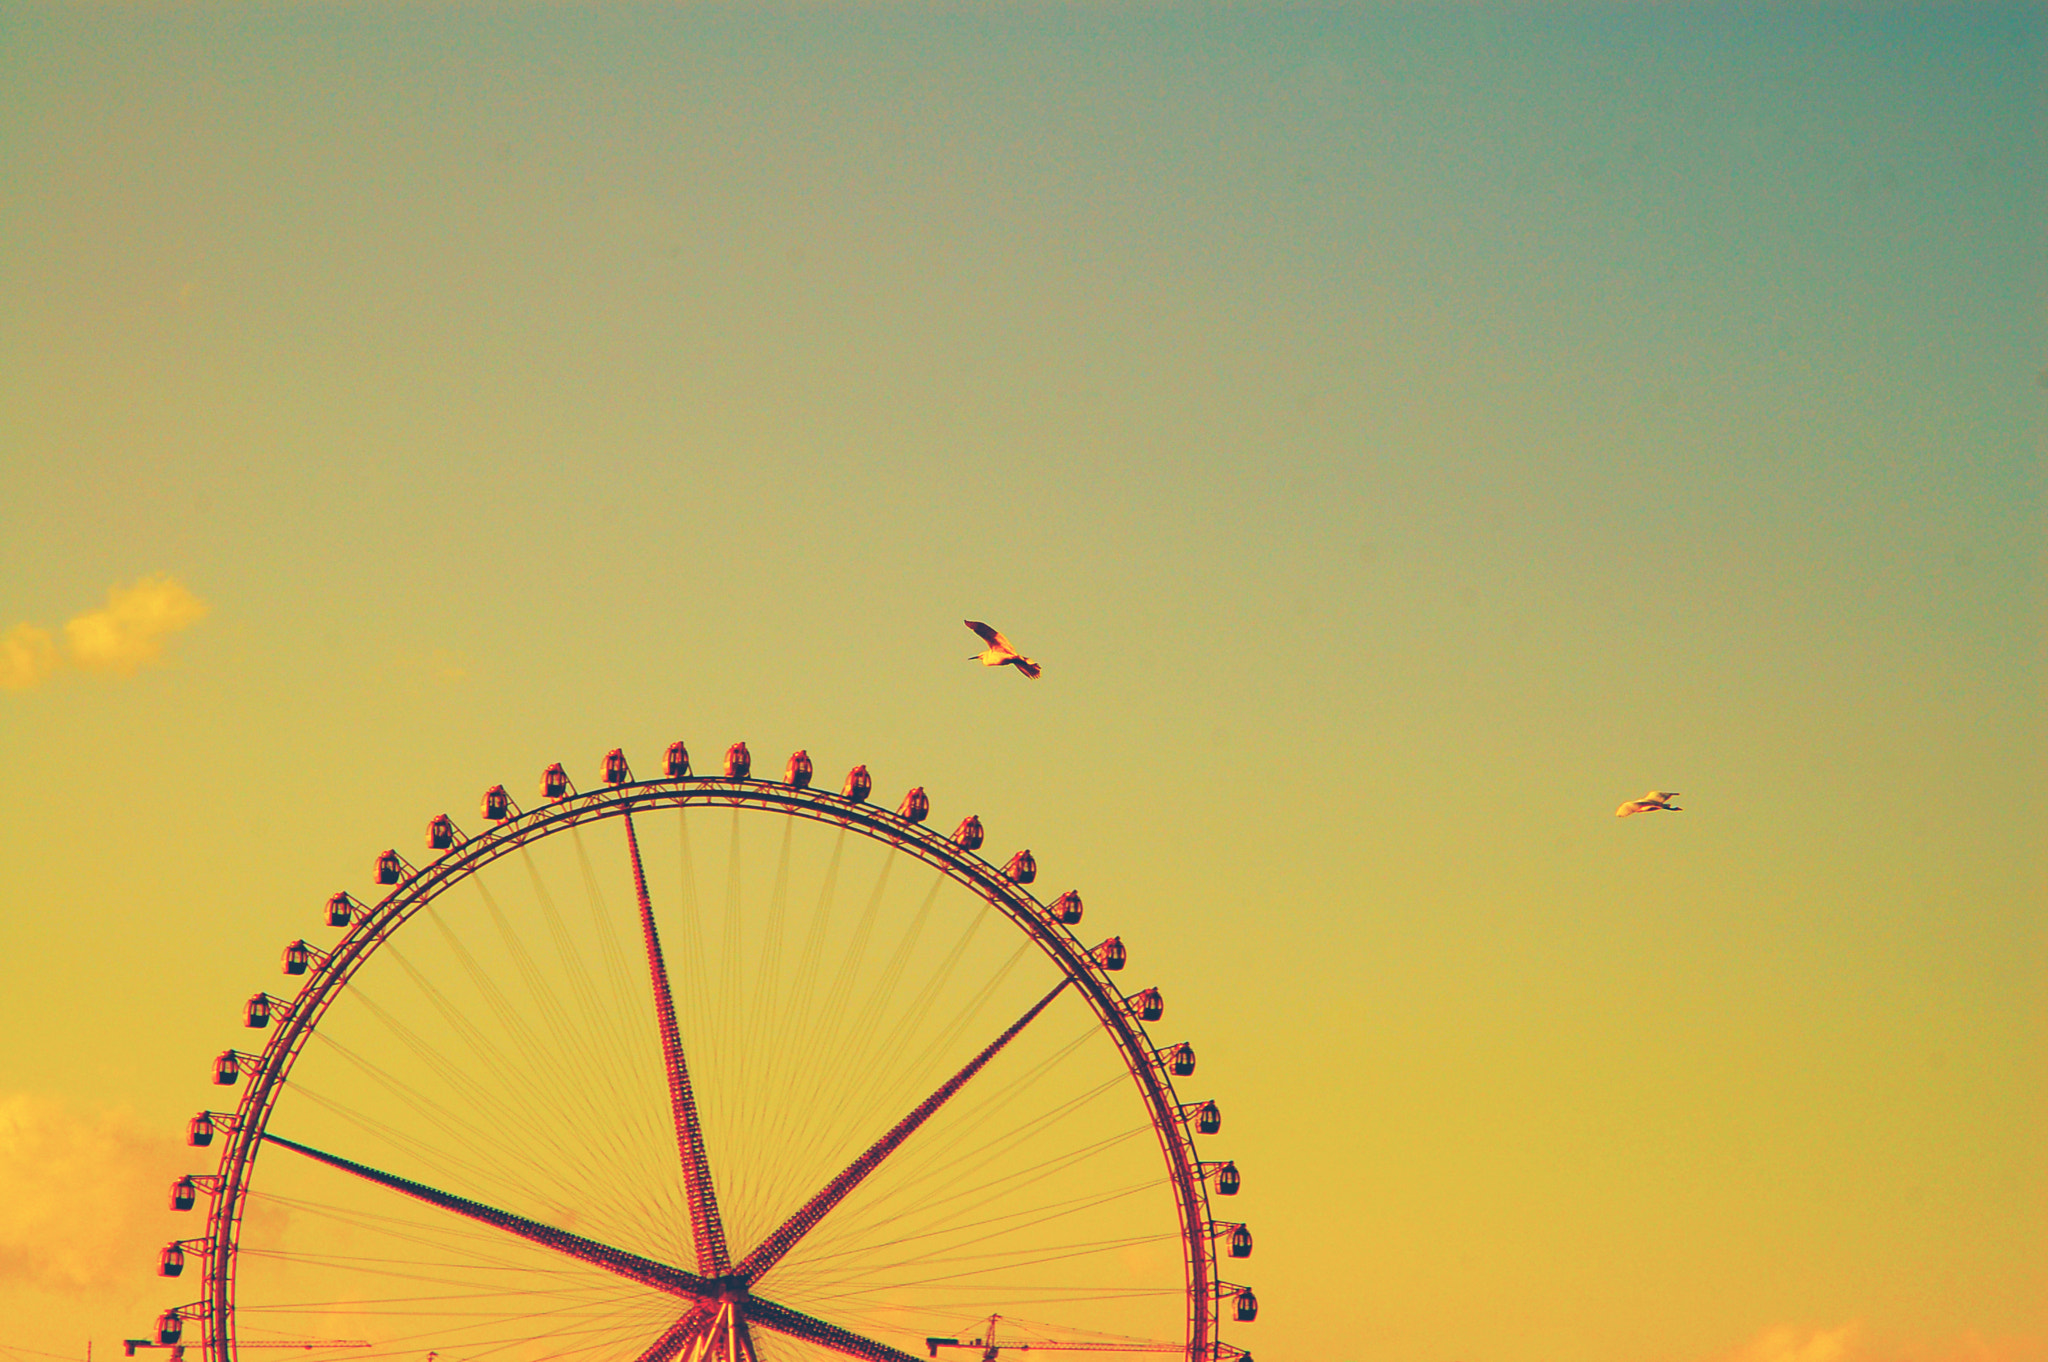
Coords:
859,785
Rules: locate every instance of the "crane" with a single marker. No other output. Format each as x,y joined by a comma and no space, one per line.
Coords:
989,1347
129,1345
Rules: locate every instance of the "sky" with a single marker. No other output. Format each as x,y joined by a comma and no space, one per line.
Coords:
1403,433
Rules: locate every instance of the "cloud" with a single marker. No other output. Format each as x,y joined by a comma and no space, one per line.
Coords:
1974,1347
121,637
81,1195
1848,1343
1793,1343
27,656
128,632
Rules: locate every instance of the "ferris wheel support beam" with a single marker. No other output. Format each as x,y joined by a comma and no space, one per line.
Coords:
631,1266
707,1229
772,1249
797,1325
681,1334
720,1305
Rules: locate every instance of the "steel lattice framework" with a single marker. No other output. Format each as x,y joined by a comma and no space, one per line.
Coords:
716,1306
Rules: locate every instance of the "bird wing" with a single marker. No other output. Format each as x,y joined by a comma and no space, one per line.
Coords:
1028,667
989,636
1660,796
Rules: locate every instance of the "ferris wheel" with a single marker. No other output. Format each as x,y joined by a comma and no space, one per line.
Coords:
706,1068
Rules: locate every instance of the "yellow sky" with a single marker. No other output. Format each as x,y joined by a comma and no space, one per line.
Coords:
1402,434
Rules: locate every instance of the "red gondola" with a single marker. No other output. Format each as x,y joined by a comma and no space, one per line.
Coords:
170,1327
340,910
1110,954
616,772
1247,1306
916,807
298,958
968,835
1209,1119
1067,907
1022,869
199,1134
184,1193
738,762
554,782
1182,1059
257,1015
678,761
497,804
798,772
227,1067
858,785
441,833
390,867
1240,1242
1227,1180
1151,1005
172,1261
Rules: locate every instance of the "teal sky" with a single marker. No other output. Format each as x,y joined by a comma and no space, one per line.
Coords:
1402,433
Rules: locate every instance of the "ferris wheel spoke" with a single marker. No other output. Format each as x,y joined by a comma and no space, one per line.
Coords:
631,1266
772,1249
707,1230
795,1324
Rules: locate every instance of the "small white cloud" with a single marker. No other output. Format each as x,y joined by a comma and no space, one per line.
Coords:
121,637
129,631
1848,1343
1798,1343
1795,1343
27,657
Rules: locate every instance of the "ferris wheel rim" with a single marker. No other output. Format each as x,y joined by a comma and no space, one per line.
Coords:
331,972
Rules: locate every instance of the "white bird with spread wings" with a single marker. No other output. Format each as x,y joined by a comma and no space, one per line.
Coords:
1655,799
999,653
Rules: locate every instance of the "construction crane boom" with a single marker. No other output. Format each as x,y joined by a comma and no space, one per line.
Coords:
129,1345
932,1345
988,1347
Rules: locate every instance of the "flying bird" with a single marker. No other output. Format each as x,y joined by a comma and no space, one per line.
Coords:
1655,799
999,653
